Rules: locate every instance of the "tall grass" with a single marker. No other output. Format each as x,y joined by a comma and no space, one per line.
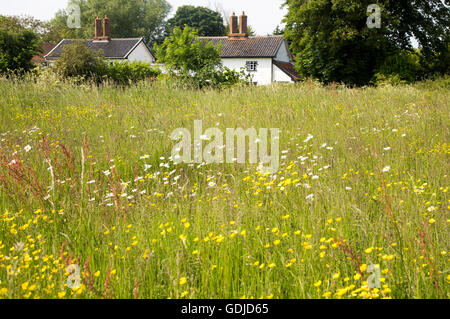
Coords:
76,188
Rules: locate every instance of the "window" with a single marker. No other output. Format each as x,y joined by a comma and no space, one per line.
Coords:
251,66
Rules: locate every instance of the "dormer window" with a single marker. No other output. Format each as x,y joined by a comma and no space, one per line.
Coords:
252,66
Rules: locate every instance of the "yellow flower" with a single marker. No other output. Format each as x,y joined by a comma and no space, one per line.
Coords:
317,284
184,293
182,281
276,242
363,267
25,285
357,277
368,250
61,294
336,276
431,221
97,273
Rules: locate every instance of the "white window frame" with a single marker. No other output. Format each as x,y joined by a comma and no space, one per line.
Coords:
251,66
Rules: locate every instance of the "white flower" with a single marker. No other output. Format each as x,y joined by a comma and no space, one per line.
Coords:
387,148
308,138
211,184
386,169
107,173
348,188
27,148
91,182
310,197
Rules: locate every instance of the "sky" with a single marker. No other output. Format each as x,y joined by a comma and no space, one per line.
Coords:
263,15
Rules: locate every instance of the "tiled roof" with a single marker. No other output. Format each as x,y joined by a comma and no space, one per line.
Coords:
45,49
113,49
255,47
287,68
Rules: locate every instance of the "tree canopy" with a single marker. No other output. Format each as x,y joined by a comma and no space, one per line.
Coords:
206,21
18,45
332,41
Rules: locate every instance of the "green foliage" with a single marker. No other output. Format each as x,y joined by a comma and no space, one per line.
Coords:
129,18
189,59
126,72
17,48
402,67
79,61
333,43
230,77
278,31
207,22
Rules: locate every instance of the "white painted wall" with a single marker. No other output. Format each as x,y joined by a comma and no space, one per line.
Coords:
141,53
283,53
262,76
280,76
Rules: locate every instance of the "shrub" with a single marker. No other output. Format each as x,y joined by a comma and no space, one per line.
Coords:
79,61
126,72
403,67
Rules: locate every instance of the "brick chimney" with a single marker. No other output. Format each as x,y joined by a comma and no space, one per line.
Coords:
102,29
233,24
98,29
238,32
106,28
243,24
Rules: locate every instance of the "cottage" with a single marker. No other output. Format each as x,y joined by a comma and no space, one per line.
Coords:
267,58
118,49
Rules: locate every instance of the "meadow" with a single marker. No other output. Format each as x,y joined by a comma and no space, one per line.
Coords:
87,182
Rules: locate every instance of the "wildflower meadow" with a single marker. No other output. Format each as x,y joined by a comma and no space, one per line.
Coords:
92,204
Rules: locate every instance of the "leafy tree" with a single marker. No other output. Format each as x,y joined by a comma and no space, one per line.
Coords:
189,59
333,43
17,46
196,62
129,18
278,31
208,22
46,31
